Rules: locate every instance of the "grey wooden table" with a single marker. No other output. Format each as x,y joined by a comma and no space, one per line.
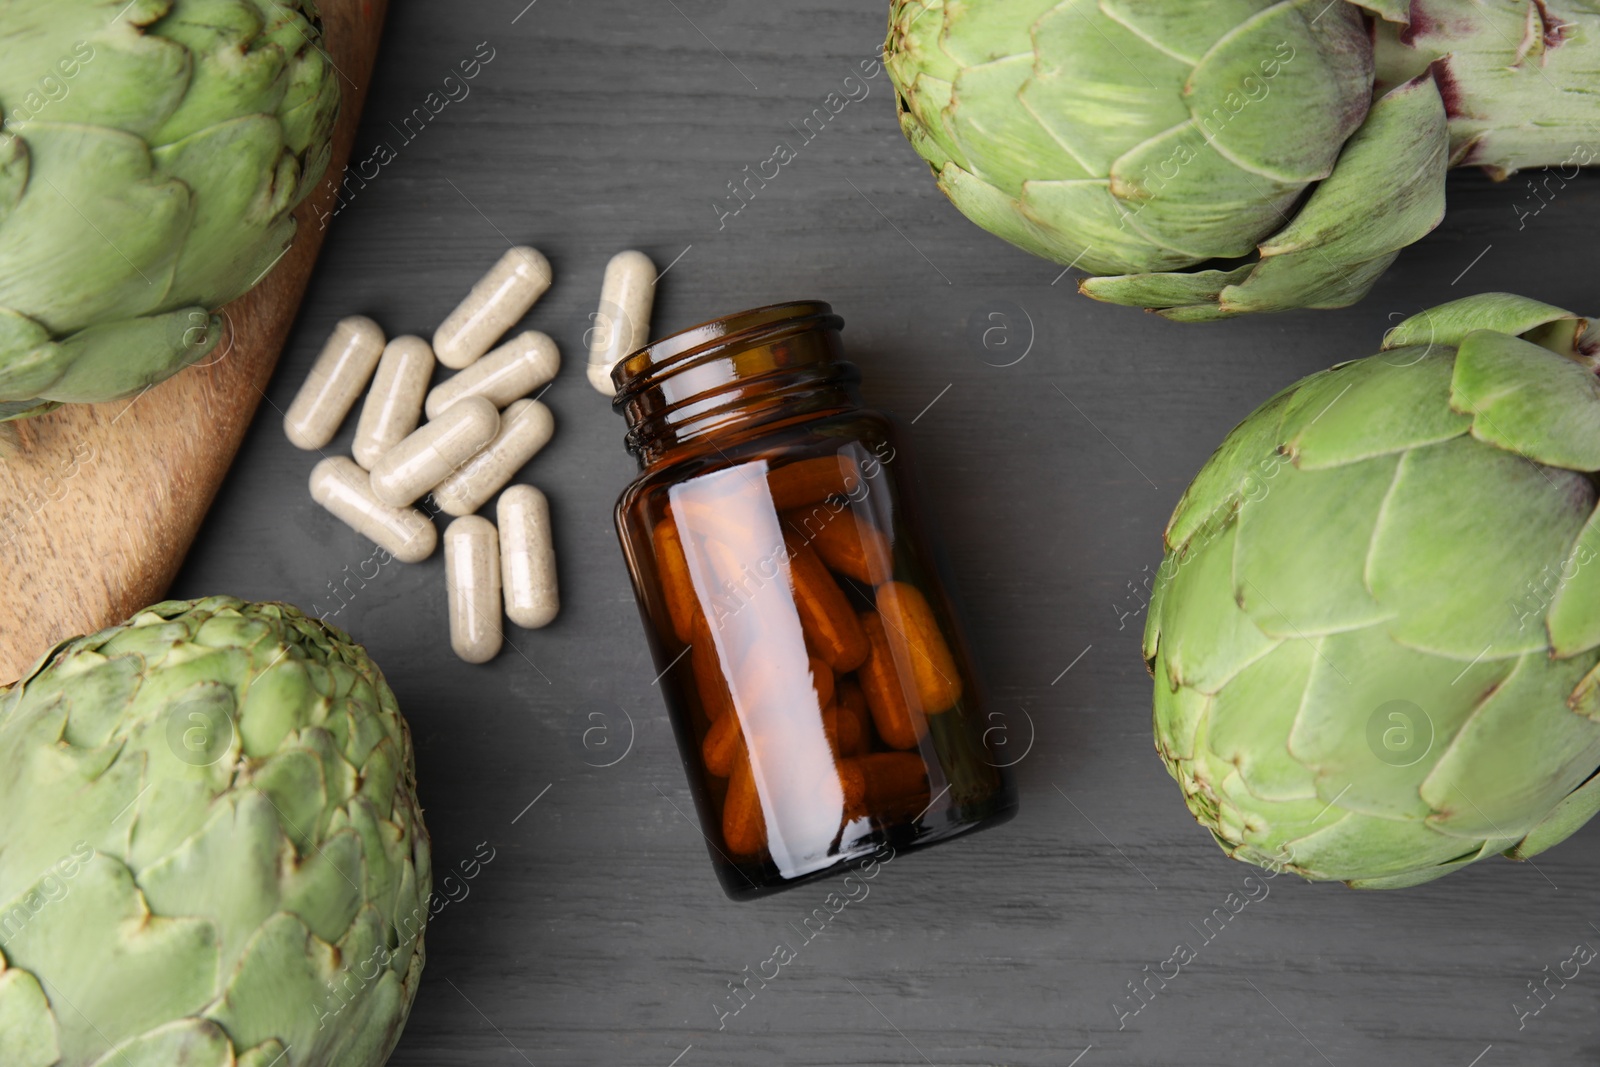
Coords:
596,934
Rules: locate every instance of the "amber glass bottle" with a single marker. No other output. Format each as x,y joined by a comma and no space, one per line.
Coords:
817,678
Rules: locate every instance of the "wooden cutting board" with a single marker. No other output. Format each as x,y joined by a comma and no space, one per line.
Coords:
100,502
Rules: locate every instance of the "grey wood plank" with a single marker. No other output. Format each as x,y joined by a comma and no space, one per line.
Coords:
597,934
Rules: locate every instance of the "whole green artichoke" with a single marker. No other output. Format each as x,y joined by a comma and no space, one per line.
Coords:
1250,155
212,853
1375,632
150,154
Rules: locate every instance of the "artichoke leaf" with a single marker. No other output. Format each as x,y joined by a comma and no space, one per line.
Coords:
275,705
236,70
1374,715
310,105
1197,313
1564,820
288,964
364,732
292,779
1249,721
1424,875
1573,594
1004,143
1303,71
412,899
1448,324
14,167
97,942
1486,525
1219,790
184,1043
373,1028
324,889
1179,709
1176,289
229,871
191,746
1001,214
981,31
284,963
1344,237
1585,696
1479,787
111,72
1389,10
27,1029
916,41
1312,278
1325,516
120,358
1206,638
1271,828
97,234
1399,149
208,682
1151,638
1184,31
339,778
1201,788
29,360
1373,407
237,631
931,96
1239,468
267,1054
379,772
81,796
1099,87
243,184
1113,239
382,857
97,700
1570,338
1527,400
1189,196
1367,848
148,634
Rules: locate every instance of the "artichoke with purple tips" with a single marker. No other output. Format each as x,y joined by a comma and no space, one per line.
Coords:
1209,160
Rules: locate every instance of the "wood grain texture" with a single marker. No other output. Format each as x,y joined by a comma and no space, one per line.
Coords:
100,502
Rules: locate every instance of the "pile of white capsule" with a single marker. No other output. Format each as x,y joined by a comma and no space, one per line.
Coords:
481,429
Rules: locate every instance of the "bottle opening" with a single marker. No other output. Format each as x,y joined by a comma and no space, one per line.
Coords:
737,370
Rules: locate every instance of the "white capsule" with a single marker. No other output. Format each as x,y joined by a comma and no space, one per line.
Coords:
622,325
510,372
394,404
336,379
426,457
472,573
527,557
525,428
494,305
342,487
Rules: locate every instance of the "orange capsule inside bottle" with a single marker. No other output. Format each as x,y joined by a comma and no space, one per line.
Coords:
815,670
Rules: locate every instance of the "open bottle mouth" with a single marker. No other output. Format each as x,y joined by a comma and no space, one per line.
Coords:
674,354
737,369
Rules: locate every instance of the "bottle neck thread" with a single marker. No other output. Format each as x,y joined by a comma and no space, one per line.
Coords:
724,379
